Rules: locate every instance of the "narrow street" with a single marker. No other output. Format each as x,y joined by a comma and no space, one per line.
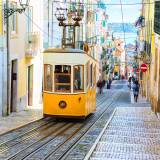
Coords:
79,80
72,139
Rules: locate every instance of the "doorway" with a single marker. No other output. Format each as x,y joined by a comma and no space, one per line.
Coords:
30,85
13,104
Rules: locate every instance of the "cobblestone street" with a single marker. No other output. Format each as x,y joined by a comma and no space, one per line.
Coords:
119,130
133,134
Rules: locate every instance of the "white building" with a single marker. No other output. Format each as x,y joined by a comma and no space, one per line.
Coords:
25,49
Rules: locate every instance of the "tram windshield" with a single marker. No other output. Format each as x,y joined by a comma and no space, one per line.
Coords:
78,78
62,78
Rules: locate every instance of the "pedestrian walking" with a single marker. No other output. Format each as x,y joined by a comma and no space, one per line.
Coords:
129,82
136,87
100,86
104,83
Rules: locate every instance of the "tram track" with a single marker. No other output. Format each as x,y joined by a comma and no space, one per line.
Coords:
22,155
26,129
108,111
68,129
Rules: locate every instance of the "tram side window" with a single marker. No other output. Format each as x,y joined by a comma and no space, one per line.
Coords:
62,78
48,77
87,74
78,78
94,75
91,75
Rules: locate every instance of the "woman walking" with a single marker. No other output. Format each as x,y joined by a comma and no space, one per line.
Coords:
136,90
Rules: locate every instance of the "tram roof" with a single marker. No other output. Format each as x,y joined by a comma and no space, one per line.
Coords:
61,50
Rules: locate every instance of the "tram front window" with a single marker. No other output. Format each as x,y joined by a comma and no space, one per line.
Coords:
62,78
78,78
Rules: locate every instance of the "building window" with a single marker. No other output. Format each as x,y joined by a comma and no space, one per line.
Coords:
62,75
48,77
29,13
14,20
78,78
157,17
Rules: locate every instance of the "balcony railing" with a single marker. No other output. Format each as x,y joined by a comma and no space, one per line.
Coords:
32,45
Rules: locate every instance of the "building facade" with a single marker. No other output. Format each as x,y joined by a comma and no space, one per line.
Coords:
25,56
149,52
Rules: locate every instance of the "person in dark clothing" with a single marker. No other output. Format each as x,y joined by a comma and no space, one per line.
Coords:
104,83
129,82
100,86
136,87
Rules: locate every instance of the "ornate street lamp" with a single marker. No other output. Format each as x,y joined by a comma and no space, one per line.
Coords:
73,16
61,15
10,11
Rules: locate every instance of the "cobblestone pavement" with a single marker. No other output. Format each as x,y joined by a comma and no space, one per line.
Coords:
133,134
19,119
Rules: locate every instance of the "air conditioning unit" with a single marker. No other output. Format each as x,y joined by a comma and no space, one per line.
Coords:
32,45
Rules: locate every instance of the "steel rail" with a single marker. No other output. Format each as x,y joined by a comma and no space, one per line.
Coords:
64,155
27,132
52,135
18,130
17,155
100,100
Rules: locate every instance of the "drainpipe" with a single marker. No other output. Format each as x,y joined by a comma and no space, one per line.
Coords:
8,62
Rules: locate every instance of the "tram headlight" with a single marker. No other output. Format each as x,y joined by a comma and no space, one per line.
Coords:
62,104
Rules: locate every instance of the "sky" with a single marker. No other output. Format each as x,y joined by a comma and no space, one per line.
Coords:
130,12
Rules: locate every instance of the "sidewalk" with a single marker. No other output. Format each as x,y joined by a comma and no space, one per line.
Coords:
142,102
19,119
133,134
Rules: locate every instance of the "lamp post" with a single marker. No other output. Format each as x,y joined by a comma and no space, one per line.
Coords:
10,11
76,15
7,13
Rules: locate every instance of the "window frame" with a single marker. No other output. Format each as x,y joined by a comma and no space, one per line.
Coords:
78,91
29,25
94,76
45,77
62,84
87,75
91,75
13,21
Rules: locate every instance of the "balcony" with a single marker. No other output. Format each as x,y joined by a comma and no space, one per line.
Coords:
32,45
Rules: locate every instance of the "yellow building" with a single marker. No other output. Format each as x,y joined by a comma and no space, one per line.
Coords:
150,53
155,65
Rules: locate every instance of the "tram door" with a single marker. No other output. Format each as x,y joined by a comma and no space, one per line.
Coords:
30,85
13,86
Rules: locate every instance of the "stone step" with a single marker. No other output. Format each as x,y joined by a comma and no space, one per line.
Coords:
136,124
129,140
138,115
128,148
131,156
132,134
133,129
135,119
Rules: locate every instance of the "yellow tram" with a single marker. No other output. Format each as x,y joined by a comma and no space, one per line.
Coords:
69,83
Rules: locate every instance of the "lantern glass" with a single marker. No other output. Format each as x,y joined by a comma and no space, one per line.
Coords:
24,3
